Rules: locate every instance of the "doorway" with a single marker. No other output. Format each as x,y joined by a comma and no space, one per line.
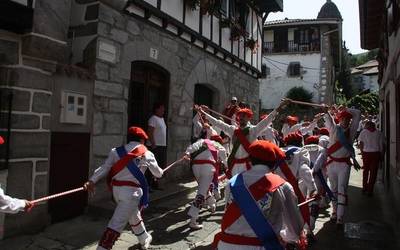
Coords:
203,95
149,85
69,167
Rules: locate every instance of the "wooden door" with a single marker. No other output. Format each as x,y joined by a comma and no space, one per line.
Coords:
149,85
69,167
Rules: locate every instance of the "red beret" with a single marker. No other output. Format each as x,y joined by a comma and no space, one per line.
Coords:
344,114
312,140
293,137
246,111
324,131
292,119
266,151
136,131
1,140
216,138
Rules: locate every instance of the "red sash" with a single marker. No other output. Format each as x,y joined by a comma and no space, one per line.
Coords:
242,138
246,144
121,163
305,212
268,183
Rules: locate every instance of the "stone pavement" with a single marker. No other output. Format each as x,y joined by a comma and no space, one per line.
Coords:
370,225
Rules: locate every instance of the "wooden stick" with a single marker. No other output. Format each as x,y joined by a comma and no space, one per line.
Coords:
217,113
307,103
50,197
306,202
172,164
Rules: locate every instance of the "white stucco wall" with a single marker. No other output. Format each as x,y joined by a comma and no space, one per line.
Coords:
370,82
277,83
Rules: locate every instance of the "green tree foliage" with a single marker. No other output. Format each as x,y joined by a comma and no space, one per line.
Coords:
367,103
344,76
299,94
358,59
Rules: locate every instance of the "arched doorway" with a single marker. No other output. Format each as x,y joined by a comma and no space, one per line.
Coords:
203,95
149,85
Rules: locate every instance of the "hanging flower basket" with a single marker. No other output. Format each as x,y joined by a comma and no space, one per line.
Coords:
237,32
225,23
192,4
209,6
251,44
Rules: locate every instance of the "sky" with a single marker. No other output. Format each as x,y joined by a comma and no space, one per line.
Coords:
308,9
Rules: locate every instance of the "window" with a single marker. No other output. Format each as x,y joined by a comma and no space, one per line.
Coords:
294,69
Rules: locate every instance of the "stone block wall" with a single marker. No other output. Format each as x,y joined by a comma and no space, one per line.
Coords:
187,65
29,142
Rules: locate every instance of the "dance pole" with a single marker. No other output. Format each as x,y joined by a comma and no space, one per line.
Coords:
306,202
307,103
50,197
219,114
172,164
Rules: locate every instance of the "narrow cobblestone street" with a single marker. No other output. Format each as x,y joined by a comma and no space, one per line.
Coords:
370,226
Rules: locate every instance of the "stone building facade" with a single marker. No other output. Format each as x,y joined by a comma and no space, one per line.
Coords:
380,28
75,74
302,53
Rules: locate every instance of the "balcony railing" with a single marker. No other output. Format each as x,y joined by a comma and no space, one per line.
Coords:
290,46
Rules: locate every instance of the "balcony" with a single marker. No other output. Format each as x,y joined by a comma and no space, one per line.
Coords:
290,47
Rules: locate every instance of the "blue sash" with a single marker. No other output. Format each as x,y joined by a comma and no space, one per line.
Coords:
347,145
291,151
325,186
253,215
135,171
288,153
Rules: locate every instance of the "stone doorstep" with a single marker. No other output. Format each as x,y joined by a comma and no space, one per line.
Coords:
106,207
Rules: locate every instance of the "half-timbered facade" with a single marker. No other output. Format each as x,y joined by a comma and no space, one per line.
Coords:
74,74
380,28
302,52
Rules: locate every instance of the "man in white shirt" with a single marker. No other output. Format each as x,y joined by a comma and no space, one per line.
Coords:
371,146
157,132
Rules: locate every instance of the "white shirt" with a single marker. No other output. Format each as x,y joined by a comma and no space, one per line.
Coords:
333,136
206,154
198,128
146,161
372,140
298,127
10,205
268,134
160,130
299,164
284,216
254,132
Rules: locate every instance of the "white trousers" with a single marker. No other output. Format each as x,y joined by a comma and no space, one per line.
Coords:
339,174
204,174
127,210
